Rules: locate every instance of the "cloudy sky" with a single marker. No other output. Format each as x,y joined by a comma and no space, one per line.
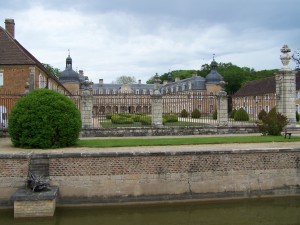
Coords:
111,38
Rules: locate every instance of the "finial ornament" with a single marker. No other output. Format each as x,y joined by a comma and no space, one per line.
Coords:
156,82
285,57
69,52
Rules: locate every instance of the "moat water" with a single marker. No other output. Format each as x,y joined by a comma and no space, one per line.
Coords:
279,211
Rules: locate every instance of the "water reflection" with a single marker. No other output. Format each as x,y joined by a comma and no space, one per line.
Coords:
246,212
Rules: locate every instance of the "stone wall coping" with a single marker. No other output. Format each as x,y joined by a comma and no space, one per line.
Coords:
104,153
25,194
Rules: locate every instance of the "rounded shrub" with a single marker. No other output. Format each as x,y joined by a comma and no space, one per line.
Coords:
44,119
215,115
262,114
232,113
196,114
241,115
184,113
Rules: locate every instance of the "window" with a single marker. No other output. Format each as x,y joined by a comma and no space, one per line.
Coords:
42,81
298,93
267,97
1,79
137,92
107,91
50,86
267,108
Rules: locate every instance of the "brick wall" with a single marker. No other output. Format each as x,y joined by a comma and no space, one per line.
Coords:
116,176
15,78
13,174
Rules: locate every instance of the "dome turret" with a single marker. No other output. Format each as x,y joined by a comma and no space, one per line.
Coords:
69,75
213,77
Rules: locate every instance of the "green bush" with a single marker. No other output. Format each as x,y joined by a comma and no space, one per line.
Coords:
170,118
232,113
138,117
273,123
184,113
297,116
196,113
215,115
262,114
241,115
146,120
121,119
44,119
108,116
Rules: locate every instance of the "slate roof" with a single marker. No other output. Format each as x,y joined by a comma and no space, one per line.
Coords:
262,86
13,53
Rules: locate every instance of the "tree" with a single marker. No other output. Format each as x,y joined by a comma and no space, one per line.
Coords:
125,80
296,58
233,75
52,70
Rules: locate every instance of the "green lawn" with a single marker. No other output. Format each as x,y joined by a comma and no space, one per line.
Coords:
128,142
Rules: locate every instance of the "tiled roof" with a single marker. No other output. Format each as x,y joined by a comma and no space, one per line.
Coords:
262,86
13,53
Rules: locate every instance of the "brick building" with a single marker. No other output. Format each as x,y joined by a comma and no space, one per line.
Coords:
261,94
20,69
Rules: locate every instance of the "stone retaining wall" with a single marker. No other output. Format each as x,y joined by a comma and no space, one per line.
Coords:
119,177
164,131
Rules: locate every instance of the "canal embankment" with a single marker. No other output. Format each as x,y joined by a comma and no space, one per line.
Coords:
137,174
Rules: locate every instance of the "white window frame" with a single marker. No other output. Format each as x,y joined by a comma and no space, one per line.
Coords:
1,78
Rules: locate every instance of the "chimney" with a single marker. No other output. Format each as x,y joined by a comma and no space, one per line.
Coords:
10,27
101,81
177,79
140,81
81,72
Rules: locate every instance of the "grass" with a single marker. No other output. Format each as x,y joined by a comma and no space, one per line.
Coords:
130,142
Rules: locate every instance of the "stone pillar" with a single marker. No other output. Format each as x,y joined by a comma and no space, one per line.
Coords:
222,113
286,88
156,101
86,109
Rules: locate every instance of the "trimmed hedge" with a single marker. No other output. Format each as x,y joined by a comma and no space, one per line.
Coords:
196,114
170,118
262,114
241,115
121,119
232,113
146,120
215,115
44,119
184,113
